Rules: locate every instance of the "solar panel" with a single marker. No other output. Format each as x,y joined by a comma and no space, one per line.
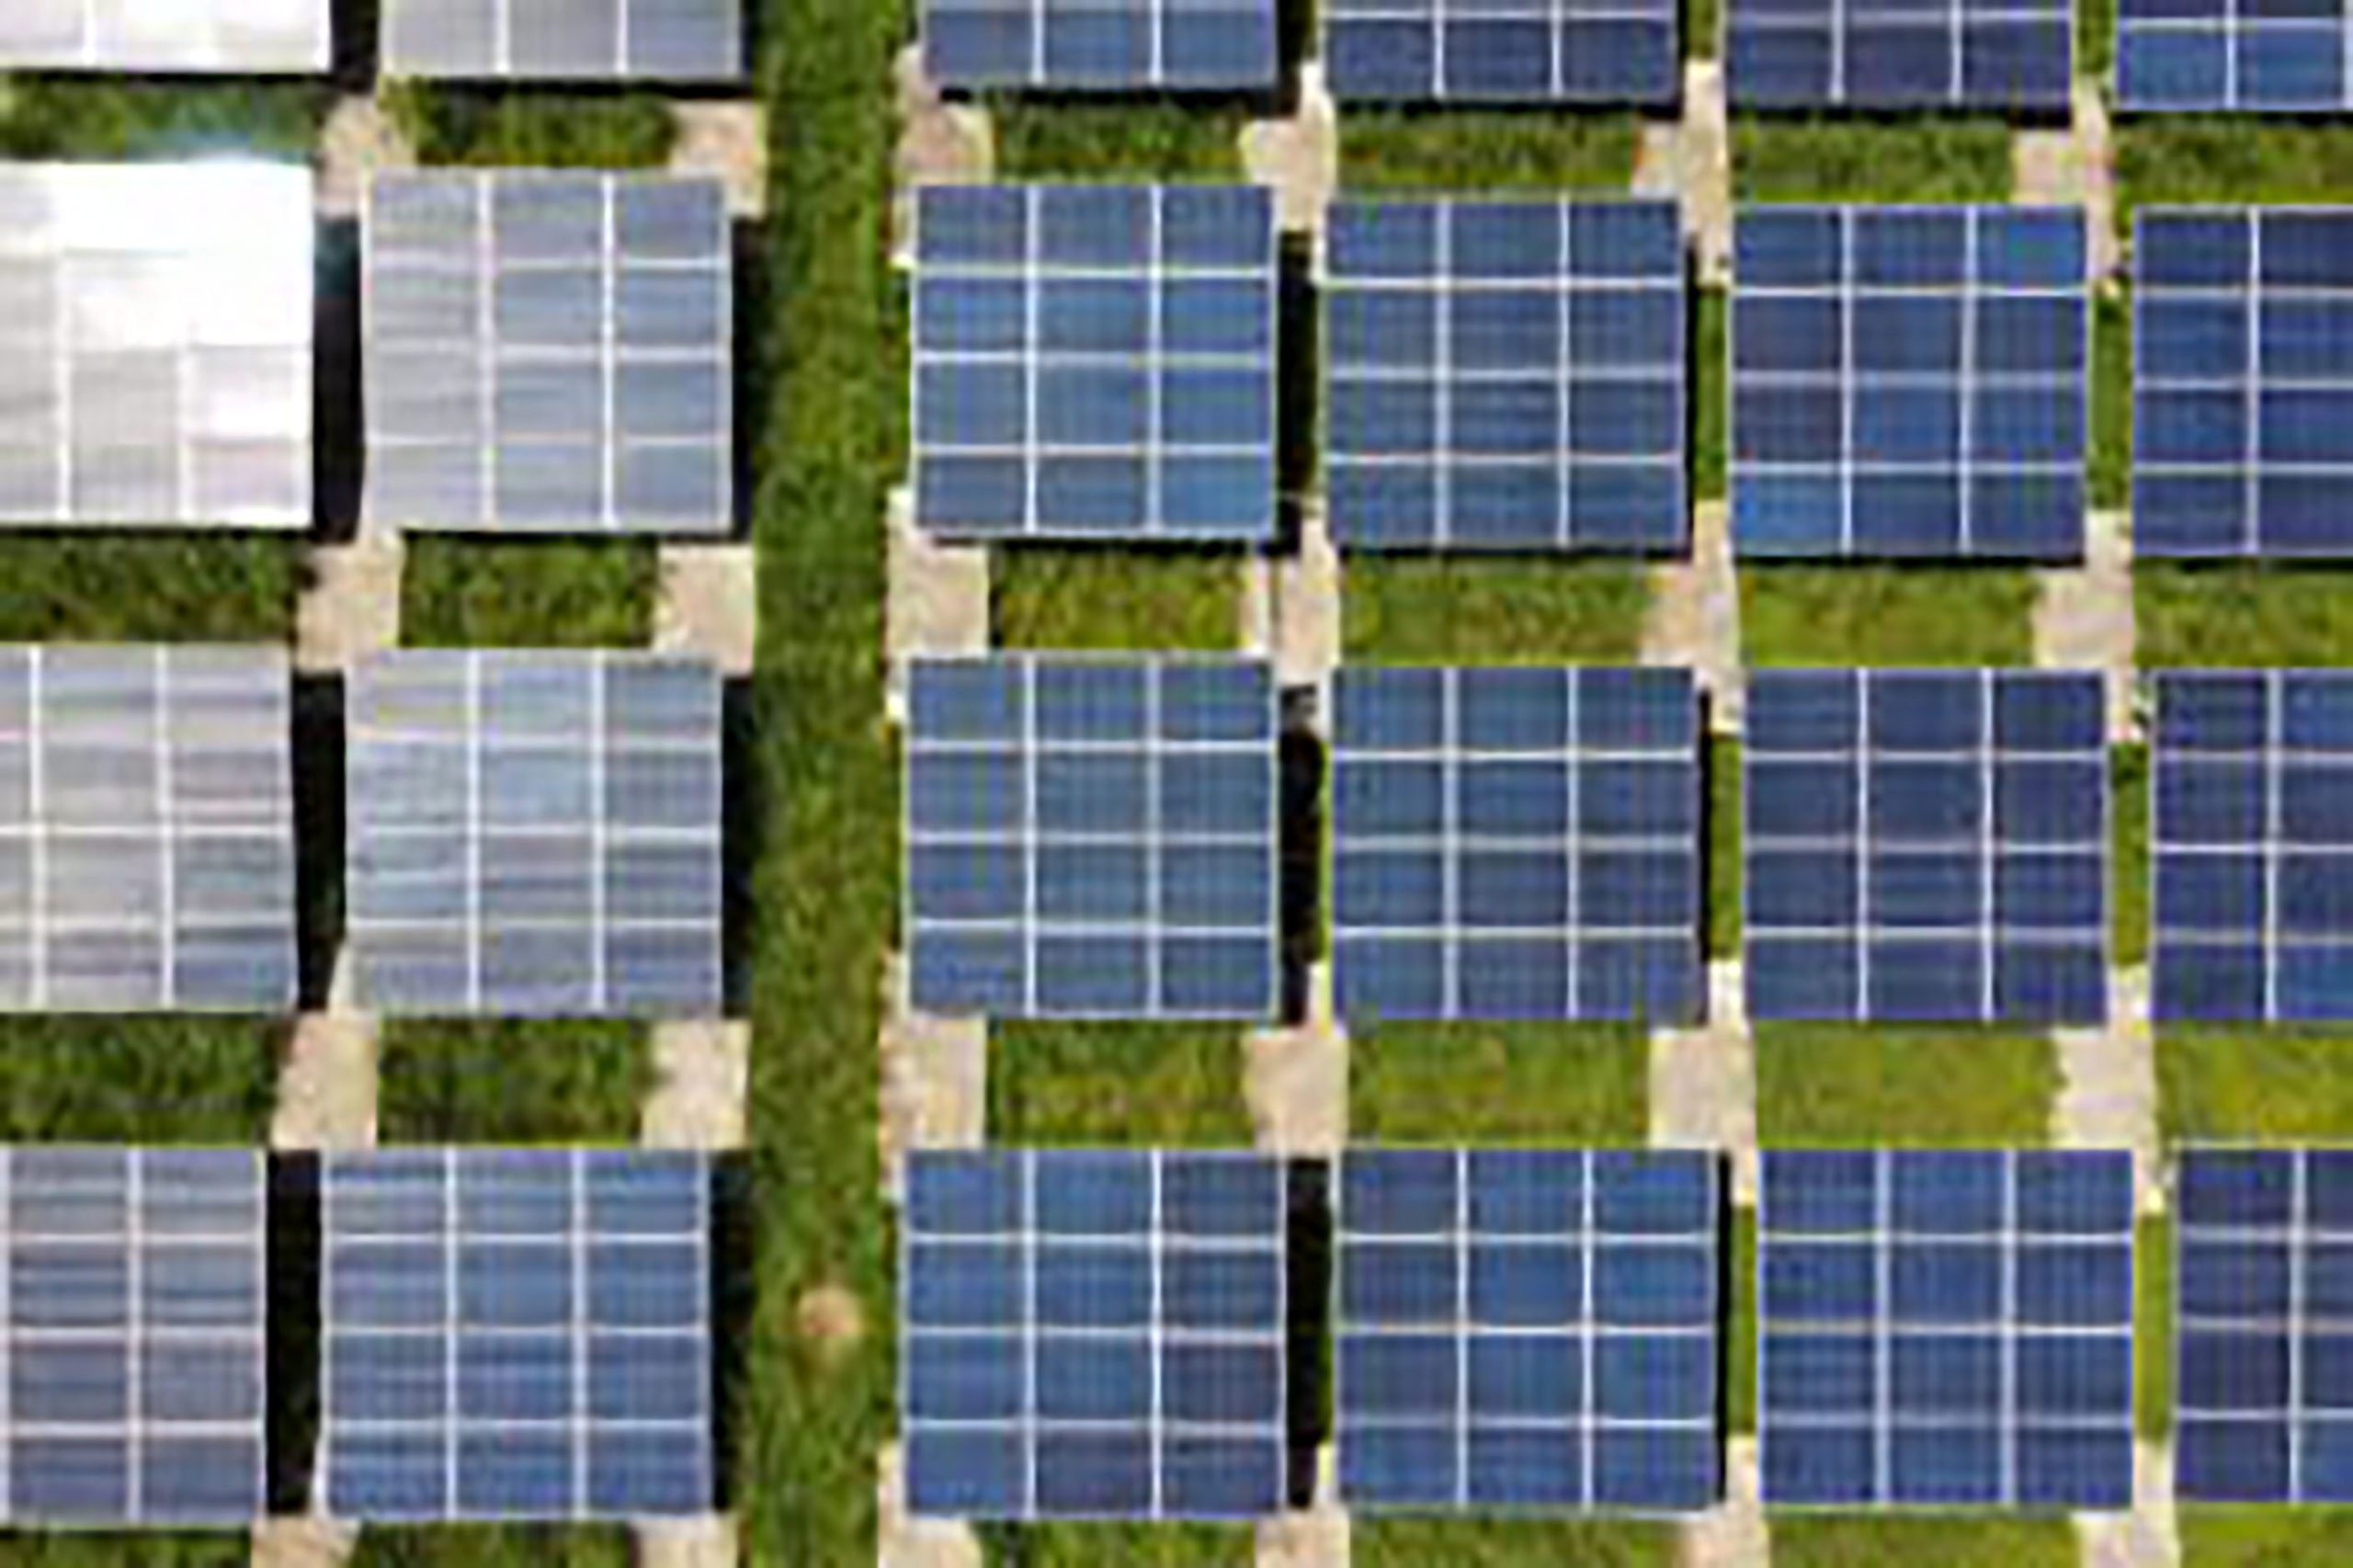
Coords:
684,40
1094,1334
1926,846
1909,381
1946,1329
249,37
535,832
2242,381
1516,842
1096,361
2253,837
2011,55
515,1334
1504,375
2214,55
154,361
549,353
1527,1329
1101,45
1507,50
1092,837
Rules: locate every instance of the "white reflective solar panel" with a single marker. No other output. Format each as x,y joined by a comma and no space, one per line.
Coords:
684,40
248,36
155,359
535,832
549,353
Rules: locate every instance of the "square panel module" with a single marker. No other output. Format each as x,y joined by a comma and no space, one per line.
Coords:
1092,837
156,361
2208,56
1094,1334
517,1335
1944,1329
1505,376
2252,840
1101,45
1926,845
535,832
549,353
1909,381
245,37
2015,56
1096,362
1516,842
2243,382
679,40
1503,51
1527,1329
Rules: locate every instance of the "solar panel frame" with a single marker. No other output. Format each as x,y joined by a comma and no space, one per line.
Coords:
1994,57
1480,370
2218,57
243,37
1503,51
674,40
1933,493
1102,45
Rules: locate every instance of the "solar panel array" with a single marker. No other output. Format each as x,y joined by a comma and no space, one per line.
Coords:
1504,375
1101,45
1096,361
2253,836
1092,837
1926,846
535,832
2012,55
2242,380
1527,1329
549,353
1945,1329
1094,1334
1909,381
154,361
133,1352
684,40
517,1335
1509,50
2214,55
248,36
1516,842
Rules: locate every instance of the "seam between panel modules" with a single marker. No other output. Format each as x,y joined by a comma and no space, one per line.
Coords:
1564,427
1846,219
1572,763
2011,1414
1990,845
1156,1332
135,1319
625,44
1883,1346
472,667
1155,286
1462,1317
37,838
600,811
1447,290
2251,497
2299,1238
167,829
583,1408
2275,685
484,198
1589,1249
1449,872
1965,396
61,271
450,1326
1033,354
608,350
1154,847
1862,684
1032,845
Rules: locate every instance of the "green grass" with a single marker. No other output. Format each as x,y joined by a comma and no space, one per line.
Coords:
495,1545
1114,599
2285,1083
1724,846
2128,772
1131,1546
1945,1540
2110,472
2236,615
1710,317
1512,1543
2164,159
1851,1085
504,128
1115,1083
159,588
1487,150
512,1081
1700,25
2264,1538
83,118
1873,160
139,1079
1505,611
1499,1084
1115,141
465,593
1886,615
104,1550
1740,1327
2153,1326
2095,38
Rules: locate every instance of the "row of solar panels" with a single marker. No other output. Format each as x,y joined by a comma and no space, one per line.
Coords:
503,1334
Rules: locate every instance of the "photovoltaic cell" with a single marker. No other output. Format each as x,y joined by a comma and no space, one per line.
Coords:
1516,842
535,832
549,353
2214,55
684,40
1926,845
247,37
1092,837
1101,45
1096,362
516,1333
1505,376
2243,382
1528,1330
1909,381
1509,51
2010,55
1942,1329
1094,1334
2252,829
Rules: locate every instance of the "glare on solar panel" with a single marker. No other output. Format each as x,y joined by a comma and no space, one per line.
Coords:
1909,381
247,36
1507,50
2215,55
1101,45
684,40
2015,55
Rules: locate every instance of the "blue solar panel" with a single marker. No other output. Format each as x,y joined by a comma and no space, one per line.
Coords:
1909,381
1503,51
1898,54
1926,846
2254,845
1101,45
1093,837
1094,1334
1505,376
2211,55
1946,1329
1516,842
1096,362
1530,1329
2243,382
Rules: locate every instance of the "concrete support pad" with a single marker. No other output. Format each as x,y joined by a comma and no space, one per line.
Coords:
1703,1083
2082,616
2074,168
326,1086
300,1540
1298,158
702,1085
728,143
1307,606
1694,617
1296,1080
938,598
905,1541
358,140
1315,1536
706,1542
2148,1537
708,604
939,143
1732,1534
935,1079
2107,1091
350,607
1691,161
